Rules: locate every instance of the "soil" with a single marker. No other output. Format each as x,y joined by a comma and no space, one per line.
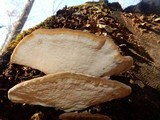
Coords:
136,34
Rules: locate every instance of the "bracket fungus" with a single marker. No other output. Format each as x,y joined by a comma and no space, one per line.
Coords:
83,116
74,61
66,50
67,91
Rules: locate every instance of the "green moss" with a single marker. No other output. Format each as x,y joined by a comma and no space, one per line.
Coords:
11,45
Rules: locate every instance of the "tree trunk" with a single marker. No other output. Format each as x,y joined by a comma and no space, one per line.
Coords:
20,23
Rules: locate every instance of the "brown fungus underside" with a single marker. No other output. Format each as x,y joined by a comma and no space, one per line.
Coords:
129,34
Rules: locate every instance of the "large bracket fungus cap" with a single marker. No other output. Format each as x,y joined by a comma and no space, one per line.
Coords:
66,50
67,91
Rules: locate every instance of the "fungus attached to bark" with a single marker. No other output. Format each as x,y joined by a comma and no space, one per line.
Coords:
67,91
66,50
74,61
